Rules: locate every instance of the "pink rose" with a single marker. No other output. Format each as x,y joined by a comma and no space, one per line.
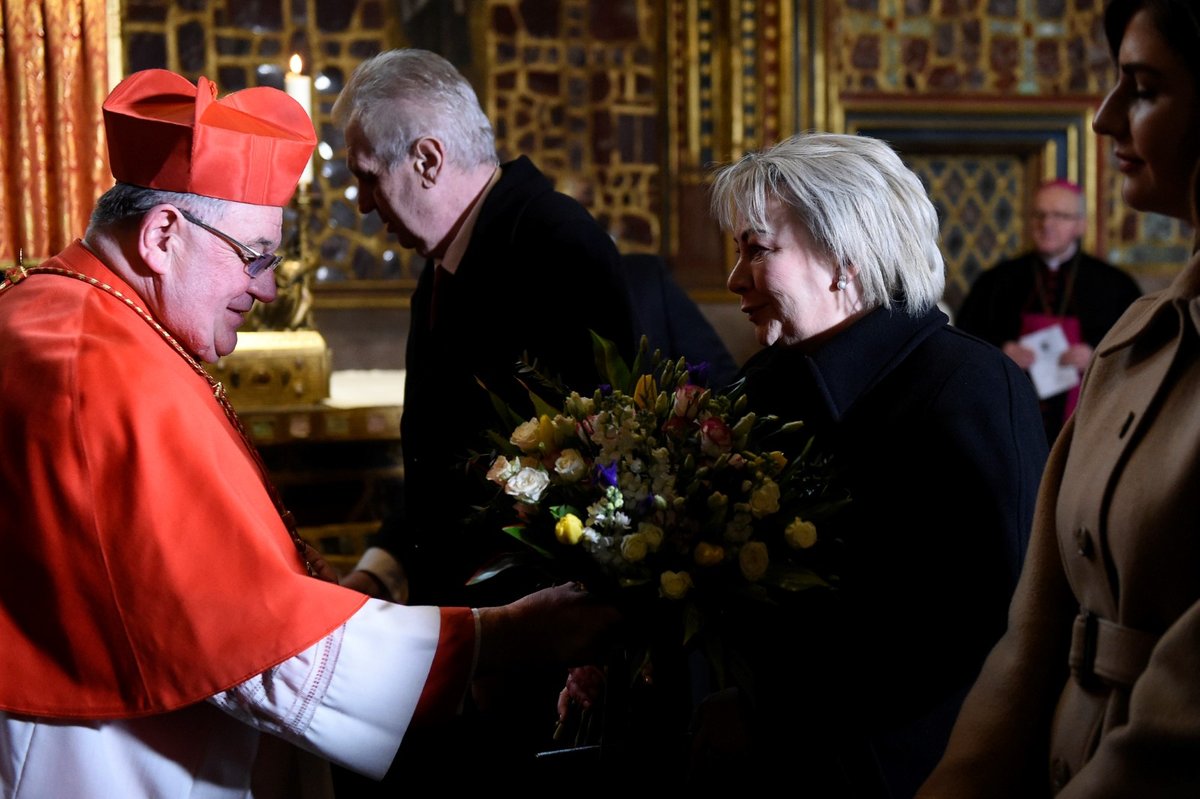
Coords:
687,400
715,437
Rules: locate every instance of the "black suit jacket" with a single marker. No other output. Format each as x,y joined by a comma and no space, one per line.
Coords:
992,308
671,320
942,449
537,275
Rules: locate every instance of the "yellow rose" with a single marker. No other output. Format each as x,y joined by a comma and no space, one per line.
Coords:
765,499
633,547
674,585
707,554
753,560
570,465
569,529
800,534
738,528
652,533
525,437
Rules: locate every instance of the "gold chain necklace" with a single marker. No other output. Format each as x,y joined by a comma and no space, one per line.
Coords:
19,272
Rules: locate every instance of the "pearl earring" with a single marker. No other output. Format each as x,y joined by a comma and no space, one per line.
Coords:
842,283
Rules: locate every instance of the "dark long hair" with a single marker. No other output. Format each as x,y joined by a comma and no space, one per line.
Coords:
1177,20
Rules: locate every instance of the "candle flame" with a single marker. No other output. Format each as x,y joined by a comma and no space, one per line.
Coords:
295,65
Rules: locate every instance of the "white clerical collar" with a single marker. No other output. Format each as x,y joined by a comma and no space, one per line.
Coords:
458,245
1054,263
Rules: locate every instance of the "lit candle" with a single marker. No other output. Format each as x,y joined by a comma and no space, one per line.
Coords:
299,87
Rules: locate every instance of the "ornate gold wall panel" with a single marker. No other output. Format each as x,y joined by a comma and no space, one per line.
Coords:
1006,53
627,104
574,84
980,162
1001,48
735,82
241,43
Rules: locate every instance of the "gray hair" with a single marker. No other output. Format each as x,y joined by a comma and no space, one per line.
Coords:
125,201
398,96
857,201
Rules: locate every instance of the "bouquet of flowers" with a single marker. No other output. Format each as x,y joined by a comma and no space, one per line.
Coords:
665,491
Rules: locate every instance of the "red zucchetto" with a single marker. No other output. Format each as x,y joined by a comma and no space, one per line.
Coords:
166,133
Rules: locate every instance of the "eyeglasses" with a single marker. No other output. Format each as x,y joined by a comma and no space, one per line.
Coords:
255,262
1053,216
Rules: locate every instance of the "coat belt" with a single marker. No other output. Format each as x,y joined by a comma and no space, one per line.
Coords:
1109,651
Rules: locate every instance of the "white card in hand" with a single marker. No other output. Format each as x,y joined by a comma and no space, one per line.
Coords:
1048,345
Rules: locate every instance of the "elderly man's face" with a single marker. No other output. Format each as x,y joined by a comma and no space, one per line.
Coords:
207,294
394,192
1058,221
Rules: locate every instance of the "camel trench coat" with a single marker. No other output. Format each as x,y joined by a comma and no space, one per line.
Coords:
1094,690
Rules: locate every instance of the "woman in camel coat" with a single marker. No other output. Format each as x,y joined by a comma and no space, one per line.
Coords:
1094,691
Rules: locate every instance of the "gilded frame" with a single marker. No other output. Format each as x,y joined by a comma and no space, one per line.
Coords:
1056,136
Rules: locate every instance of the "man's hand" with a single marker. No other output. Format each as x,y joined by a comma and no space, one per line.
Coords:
1078,356
563,624
365,583
1021,355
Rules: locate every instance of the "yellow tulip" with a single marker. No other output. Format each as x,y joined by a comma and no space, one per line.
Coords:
569,529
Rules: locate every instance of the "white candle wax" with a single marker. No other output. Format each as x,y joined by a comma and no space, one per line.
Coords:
299,88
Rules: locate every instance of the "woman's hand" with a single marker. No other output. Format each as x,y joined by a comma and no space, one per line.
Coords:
585,685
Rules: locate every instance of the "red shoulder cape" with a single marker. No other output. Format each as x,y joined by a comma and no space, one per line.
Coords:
144,565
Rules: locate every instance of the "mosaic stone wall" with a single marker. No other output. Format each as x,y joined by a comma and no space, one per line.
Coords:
572,83
628,103
980,203
731,87
997,47
1004,52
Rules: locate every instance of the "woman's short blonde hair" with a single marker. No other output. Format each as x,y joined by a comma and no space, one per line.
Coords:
858,202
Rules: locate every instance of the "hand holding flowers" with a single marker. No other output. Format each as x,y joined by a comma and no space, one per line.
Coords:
670,497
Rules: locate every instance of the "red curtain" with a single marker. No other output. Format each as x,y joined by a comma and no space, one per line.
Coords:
53,56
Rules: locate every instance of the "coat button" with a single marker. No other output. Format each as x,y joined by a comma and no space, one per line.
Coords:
1060,774
1083,542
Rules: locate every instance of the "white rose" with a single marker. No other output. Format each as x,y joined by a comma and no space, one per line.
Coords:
527,485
